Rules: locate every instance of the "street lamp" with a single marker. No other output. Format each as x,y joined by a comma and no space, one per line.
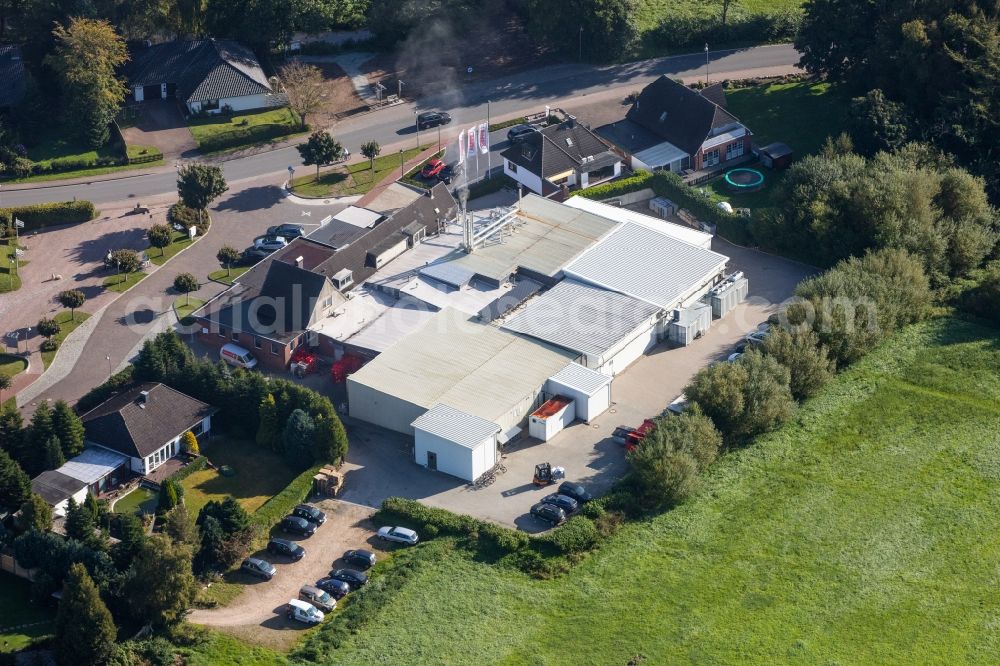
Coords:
401,163
581,44
416,123
706,63
109,365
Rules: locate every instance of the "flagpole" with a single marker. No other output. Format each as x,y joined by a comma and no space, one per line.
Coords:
489,156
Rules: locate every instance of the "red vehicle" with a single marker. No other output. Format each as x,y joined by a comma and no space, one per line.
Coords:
432,168
636,436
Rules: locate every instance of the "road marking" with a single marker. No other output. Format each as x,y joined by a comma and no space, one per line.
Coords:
307,213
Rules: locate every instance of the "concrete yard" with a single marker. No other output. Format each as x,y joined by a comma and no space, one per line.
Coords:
380,463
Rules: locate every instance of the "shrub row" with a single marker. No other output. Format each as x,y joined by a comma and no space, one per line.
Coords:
325,48
504,124
200,463
282,504
679,30
243,136
39,216
497,182
181,214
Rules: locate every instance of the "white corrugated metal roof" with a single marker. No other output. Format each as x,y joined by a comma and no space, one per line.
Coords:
456,426
619,214
662,154
93,465
581,317
582,379
647,264
455,360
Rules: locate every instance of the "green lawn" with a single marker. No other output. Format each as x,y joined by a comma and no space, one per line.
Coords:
865,531
260,475
56,144
67,324
137,151
16,608
222,133
649,13
11,365
9,279
140,499
123,282
228,276
184,306
159,257
86,173
353,179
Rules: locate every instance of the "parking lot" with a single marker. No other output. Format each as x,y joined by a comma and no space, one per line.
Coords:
380,463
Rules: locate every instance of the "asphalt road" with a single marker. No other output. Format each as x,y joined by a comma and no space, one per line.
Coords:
393,127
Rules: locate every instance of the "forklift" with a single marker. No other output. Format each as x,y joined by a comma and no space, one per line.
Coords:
546,475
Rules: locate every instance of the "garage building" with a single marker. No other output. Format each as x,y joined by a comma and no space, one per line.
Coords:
451,441
455,360
589,390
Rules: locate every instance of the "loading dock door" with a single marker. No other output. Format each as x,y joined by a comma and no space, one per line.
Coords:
151,92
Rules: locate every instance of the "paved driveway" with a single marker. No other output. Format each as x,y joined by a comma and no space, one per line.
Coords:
161,124
380,463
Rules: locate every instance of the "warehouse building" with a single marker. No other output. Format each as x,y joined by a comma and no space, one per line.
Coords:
455,360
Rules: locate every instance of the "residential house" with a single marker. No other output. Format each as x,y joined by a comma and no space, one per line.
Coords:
94,471
270,309
675,128
13,76
146,424
206,75
566,154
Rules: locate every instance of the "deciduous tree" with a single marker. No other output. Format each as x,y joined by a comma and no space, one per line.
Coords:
189,444
198,185
125,260
305,88
269,431
185,283
371,150
72,299
160,236
160,586
47,327
227,256
321,149
85,630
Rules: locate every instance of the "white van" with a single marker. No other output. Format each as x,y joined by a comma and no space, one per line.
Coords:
303,612
236,355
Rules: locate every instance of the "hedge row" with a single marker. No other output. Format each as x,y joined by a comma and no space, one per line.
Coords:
431,522
184,472
279,506
244,136
39,216
181,214
673,187
682,31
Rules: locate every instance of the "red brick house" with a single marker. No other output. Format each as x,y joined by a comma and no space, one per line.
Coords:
675,128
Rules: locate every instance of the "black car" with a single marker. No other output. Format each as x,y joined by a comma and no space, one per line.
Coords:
549,513
449,172
567,504
519,133
354,579
253,254
297,525
432,119
337,589
286,548
360,558
576,491
310,513
288,231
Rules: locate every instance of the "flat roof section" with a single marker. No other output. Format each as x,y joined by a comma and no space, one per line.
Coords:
619,214
581,317
93,465
647,264
456,426
358,217
585,380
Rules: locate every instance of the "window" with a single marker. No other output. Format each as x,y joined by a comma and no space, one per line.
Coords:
275,348
327,302
512,167
210,104
222,332
198,428
711,158
236,336
258,343
734,150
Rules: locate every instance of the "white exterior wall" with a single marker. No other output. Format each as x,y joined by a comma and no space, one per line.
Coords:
137,93
455,459
381,409
245,103
547,428
523,176
79,497
390,254
588,407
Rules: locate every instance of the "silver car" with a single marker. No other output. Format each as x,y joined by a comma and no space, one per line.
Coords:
399,535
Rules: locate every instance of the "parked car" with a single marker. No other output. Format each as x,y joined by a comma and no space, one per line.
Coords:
432,119
318,598
432,168
564,502
576,491
735,356
519,133
399,535
636,436
303,611
288,231
253,254
258,567
758,336
297,525
338,589
549,513
449,172
286,548
621,433
270,242
310,513
352,577
360,558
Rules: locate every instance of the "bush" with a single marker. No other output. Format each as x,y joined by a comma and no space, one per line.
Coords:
188,217
242,136
481,188
276,508
39,216
577,535
49,345
684,31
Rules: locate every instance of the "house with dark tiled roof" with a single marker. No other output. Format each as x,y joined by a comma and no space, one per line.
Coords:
204,74
270,309
566,154
146,424
675,128
13,76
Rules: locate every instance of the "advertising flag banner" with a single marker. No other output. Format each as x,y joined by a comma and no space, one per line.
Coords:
484,138
461,147
471,138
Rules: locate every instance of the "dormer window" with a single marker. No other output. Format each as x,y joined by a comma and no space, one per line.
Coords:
343,279
569,141
663,117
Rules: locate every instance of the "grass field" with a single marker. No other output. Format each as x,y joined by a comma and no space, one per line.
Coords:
9,279
649,13
123,282
11,365
227,276
865,531
16,608
67,324
353,179
160,256
280,123
185,305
